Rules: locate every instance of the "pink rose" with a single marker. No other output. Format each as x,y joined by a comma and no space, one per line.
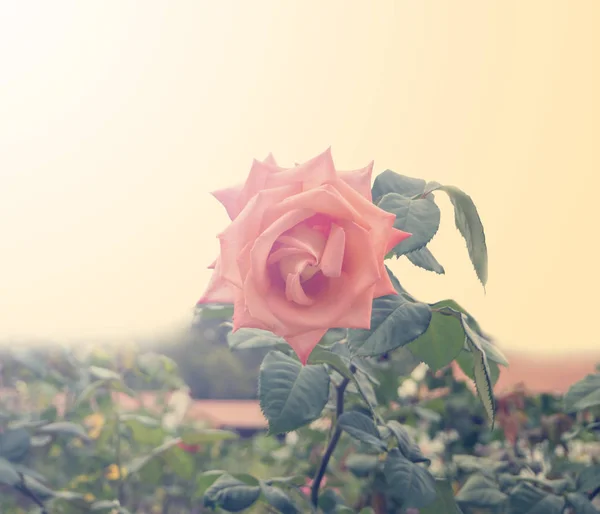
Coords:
304,251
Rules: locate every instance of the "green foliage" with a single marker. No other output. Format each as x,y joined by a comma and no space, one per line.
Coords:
423,258
443,340
445,502
366,431
408,198
417,216
409,483
231,494
584,394
469,225
362,428
291,395
395,322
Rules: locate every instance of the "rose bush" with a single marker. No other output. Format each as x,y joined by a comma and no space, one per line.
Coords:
304,252
302,264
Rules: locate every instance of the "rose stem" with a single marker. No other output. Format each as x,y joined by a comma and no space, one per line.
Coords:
339,409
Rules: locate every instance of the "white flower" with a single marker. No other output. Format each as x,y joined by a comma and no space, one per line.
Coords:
177,408
408,388
321,424
291,438
419,372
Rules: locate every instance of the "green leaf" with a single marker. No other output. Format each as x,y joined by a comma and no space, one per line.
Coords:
205,480
330,502
136,464
423,258
472,464
30,359
406,445
207,435
444,502
362,428
29,472
294,480
480,492
245,338
143,431
452,304
389,181
427,414
231,494
362,464
64,428
583,394
104,374
8,474
465,360
527,499
291,395
395,322
278,499
581,504
365,389
442,342
216,311
14,444
589,479
89,391
469,225
321,355
104,505
419,216
159,367
481,371
181,462
492,352
410,483
361,364
32,487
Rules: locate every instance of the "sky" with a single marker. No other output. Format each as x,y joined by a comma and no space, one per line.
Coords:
118,118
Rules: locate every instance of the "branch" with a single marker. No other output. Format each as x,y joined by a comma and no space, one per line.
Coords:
339,409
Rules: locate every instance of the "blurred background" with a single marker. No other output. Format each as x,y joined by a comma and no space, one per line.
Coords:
117,119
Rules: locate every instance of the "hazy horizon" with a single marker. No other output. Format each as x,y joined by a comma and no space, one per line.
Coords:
116,123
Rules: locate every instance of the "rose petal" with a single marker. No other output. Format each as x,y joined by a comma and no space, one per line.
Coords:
245,228
257,180
385,286
359,180
242,317
269,159
358,315
270,305
264,243
229,197
281,253
303,344
333,254
218,289
294,291
303,237
396,237
318,170
325,201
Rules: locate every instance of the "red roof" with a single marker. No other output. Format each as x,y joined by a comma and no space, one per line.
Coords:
539,374
228,413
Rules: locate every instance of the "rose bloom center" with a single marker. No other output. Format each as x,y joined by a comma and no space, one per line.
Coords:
304,258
